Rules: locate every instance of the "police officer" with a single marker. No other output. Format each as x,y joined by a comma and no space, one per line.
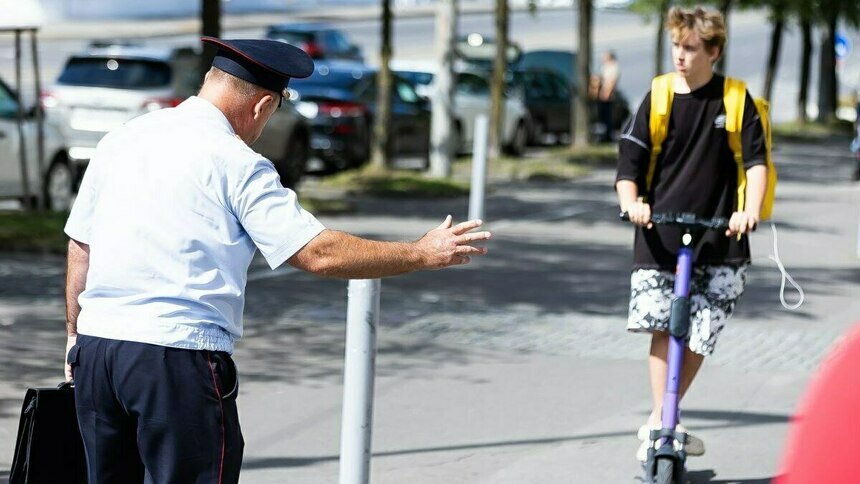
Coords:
170,212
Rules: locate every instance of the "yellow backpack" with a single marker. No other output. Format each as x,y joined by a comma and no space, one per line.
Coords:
734,98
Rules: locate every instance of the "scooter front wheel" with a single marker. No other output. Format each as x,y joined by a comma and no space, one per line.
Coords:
665,471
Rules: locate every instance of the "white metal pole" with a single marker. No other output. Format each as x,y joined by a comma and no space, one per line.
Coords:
479,167
362,318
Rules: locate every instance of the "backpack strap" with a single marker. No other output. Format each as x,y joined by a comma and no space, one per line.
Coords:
662,92
734,98
763,108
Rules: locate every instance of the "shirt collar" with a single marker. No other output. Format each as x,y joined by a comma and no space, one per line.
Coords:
201,107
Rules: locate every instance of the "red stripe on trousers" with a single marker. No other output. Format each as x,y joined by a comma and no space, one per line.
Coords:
221,405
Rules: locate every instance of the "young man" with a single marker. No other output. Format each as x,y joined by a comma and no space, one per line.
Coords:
695,172
173,207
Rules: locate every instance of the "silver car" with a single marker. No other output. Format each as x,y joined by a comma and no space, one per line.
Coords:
109,85
54,180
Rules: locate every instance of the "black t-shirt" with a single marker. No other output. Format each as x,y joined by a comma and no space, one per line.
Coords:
696,172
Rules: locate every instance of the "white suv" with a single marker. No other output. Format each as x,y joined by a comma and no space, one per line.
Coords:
55,180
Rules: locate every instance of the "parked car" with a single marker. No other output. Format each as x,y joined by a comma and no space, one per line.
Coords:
55,180
320,41
108,85
339,100
471,98
545,78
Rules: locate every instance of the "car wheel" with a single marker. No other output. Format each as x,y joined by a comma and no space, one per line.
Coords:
537,133
59,187
291,166
457,140
517,146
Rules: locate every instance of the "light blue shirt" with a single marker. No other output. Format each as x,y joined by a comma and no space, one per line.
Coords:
173,206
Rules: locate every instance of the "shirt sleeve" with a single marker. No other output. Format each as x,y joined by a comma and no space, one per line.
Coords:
80,218
271,214
634,145
752,135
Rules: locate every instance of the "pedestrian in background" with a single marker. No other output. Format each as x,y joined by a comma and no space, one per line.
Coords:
696,171
609,75
172,208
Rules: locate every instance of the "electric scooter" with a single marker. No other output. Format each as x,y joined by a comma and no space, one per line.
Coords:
665,464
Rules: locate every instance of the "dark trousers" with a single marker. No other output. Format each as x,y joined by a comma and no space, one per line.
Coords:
153,414
604,112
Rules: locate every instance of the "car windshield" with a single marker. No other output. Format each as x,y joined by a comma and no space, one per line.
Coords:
346,79
115,72
415,77
8,105
290,37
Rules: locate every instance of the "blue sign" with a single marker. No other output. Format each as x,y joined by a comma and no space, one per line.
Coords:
843,46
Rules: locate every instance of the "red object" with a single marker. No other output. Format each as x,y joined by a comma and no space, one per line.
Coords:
163,102
824,440
312,49
338,109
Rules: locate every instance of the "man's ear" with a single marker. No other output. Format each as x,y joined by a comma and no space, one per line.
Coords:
262,105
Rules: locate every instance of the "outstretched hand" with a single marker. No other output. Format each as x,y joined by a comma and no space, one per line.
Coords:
449,244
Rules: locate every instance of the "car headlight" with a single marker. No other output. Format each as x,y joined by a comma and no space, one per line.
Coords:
307,109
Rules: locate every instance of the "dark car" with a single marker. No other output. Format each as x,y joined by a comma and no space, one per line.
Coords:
339,100
547,97
546,80
320,41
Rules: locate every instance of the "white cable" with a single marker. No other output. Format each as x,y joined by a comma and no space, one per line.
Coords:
775,257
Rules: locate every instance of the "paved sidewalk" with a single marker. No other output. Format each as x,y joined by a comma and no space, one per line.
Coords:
515,369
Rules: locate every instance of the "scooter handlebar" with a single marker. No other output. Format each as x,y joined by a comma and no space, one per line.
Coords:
684,219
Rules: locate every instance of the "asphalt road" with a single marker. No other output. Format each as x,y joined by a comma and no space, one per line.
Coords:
515,369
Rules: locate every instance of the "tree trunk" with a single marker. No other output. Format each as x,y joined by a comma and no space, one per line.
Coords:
442,134
497,89
581,122
659,50
723,62
210,25
805,66
381,128
827,90
773,57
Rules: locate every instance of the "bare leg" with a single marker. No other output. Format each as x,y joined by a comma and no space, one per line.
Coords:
658,367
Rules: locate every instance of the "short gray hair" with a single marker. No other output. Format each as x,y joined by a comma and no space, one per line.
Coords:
241,87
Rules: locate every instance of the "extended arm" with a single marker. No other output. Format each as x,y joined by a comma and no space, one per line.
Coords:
341,255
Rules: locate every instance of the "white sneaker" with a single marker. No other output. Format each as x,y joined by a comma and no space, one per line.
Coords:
694,447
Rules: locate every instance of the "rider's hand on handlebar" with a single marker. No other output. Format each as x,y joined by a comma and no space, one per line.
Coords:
639,212
742,223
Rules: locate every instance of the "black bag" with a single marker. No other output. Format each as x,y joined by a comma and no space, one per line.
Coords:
49,447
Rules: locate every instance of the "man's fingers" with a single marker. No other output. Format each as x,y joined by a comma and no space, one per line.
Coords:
463,227
472,237
447,223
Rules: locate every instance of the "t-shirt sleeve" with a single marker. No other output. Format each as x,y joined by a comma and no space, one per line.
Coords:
271,214
634,146
79,223
752,135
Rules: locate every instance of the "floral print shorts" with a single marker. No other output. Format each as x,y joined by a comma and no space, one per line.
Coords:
714,290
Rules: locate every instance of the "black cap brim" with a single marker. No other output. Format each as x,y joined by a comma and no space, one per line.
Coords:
269,64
